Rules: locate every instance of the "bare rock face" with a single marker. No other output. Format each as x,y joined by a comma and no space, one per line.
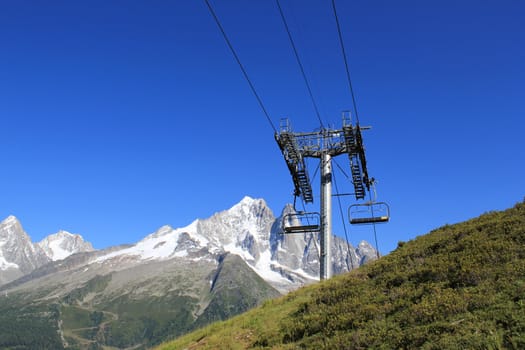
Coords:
18,255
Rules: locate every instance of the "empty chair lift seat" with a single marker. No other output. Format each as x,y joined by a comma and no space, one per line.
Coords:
301,222
369,213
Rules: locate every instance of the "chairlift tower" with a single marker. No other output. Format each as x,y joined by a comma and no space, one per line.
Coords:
324,145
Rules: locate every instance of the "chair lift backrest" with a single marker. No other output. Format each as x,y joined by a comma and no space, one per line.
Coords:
301,222
369,213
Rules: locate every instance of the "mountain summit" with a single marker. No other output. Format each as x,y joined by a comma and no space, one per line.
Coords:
62,244
20,256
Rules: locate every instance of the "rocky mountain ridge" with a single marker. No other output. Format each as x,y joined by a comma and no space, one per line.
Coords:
248,229
20,256
62,244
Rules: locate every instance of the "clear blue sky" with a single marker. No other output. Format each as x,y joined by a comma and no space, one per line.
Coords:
119,117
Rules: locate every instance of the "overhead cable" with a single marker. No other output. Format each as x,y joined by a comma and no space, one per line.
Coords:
300,64
341,169
350,255
374,226
346,61
311,235
240,65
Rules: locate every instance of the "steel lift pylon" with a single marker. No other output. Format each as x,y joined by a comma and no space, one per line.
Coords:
324,145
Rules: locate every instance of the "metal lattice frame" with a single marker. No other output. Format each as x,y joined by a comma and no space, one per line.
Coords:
295,147
324,145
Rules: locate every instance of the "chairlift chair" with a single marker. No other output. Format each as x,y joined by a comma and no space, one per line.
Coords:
301,222
369,213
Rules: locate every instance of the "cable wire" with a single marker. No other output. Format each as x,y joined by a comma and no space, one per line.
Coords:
374,225
312,234
300,64
316,171
342,170
240,65
344,225
353,101
346,61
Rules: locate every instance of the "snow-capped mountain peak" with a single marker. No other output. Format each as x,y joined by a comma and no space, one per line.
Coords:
247,205
62,244
10,227
250,230
247,200
162,231
18,255
10,220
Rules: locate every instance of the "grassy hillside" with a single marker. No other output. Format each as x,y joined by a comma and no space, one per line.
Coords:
459,287
133,308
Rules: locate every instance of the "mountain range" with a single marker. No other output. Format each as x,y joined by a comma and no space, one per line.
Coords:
20,256
171,281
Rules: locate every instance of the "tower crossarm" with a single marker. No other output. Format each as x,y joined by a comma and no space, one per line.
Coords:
295,147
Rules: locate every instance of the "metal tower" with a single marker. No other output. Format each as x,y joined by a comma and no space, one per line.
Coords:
324,145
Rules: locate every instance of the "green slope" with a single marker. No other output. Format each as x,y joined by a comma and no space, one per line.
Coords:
134,308
236,288
459,287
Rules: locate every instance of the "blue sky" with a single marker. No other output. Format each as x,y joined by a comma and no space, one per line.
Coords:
119,117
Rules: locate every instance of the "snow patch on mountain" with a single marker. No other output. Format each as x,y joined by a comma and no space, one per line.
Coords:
159,245
62,244
263,267
165,243
6,265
